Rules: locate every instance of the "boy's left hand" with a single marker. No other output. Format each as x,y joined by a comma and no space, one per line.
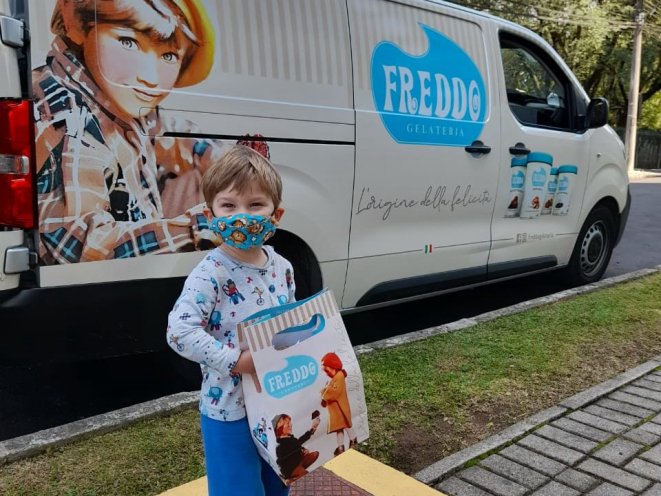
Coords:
244,365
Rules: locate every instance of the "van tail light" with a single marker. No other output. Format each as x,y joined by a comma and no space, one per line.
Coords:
17,191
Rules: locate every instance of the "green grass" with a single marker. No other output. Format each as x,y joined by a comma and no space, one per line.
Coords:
425,400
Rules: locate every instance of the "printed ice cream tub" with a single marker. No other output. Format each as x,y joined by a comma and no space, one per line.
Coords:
517,183
550,192
566,179
537,176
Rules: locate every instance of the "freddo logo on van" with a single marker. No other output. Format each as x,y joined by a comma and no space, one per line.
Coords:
518,180
300,372
539,178
437,98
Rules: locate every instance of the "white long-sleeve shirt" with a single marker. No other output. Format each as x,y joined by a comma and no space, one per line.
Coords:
219,293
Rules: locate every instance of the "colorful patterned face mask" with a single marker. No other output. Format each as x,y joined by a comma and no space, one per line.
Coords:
244,231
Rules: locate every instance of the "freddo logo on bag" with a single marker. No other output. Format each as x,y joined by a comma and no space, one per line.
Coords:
438,98
300,372
518,180
539,178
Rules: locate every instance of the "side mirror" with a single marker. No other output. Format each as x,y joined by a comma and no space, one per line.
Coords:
597,113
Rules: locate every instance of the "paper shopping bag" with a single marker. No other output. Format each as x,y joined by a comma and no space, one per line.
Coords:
307,403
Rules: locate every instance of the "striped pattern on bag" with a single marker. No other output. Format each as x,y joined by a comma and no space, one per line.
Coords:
260,336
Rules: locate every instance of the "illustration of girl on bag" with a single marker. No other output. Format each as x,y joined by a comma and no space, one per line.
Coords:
334,398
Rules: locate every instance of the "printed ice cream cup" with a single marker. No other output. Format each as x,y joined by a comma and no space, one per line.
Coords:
517,183
550,192
537,176
566,179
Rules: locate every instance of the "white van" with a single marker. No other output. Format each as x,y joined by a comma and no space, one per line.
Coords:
424,148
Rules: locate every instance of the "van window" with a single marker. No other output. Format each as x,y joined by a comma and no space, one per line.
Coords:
536,95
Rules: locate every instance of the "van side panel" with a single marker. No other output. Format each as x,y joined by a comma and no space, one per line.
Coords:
607,179
277,69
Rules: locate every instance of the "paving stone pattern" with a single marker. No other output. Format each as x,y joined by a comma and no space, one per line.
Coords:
611,447
323,482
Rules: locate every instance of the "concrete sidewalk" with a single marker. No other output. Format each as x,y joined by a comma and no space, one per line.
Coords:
608,446
350,474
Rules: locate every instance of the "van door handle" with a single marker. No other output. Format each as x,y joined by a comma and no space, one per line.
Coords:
519,149
478,148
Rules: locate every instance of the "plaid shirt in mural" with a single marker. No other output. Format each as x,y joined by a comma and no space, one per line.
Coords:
98,175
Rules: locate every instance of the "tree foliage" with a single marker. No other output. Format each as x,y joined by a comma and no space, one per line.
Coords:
595,38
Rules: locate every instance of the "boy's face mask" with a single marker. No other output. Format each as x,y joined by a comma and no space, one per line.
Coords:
244,231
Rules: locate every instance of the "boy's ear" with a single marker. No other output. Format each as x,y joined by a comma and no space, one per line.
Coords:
277,215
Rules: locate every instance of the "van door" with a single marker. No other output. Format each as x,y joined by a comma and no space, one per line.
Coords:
422,201
540,114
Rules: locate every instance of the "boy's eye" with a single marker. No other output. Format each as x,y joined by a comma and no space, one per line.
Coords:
170,57
129,43
257,205
227,205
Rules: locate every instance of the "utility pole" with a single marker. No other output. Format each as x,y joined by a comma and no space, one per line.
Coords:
634,88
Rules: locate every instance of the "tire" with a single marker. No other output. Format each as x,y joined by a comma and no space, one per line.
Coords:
593,249
307,272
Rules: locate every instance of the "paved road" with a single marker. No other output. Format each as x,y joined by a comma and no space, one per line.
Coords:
35,398
641,245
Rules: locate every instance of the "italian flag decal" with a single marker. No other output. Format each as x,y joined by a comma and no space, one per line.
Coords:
429,248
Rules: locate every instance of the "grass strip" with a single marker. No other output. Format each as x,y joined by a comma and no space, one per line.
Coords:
426,399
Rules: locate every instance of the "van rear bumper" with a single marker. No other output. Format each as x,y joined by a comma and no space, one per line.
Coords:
9,278
624,217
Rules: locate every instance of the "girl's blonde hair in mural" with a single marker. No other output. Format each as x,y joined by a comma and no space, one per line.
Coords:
162,19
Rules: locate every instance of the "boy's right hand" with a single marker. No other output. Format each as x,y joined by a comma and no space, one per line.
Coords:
244,365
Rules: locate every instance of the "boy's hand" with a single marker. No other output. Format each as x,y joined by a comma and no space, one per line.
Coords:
244,365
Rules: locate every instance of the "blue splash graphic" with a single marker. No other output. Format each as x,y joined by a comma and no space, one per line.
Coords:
563,184
518,180
539,178
438,98
301,371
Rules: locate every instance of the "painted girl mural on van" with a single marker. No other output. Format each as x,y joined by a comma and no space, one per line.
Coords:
110,185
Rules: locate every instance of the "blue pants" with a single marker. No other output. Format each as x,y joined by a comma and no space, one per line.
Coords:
234,467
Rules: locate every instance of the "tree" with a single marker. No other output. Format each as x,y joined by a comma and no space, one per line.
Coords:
595,39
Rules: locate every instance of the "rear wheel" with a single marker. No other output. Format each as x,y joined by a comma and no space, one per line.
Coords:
307,272
593,248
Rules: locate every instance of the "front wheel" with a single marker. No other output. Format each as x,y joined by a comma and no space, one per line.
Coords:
593,248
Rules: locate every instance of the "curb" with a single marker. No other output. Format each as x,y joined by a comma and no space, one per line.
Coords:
21,447
450,464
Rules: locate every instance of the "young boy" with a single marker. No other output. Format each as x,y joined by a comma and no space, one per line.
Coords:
243,194
107,188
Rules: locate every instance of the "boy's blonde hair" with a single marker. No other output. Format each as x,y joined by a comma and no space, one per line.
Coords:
161,19
237,169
